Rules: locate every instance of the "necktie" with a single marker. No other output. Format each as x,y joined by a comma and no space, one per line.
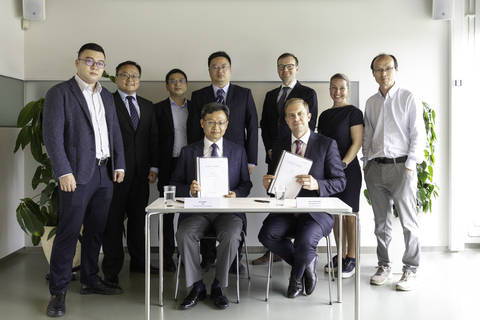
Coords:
133,112
214,151
299,147
283,129
220,97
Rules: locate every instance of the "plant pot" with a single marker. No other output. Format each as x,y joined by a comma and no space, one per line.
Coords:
48,244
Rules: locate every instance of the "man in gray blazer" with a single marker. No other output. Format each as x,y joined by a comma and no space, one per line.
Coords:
84,142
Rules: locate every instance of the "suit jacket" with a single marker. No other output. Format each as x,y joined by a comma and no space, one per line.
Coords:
166,131
270,114
326,169
243,115
238,176
68,132
141,146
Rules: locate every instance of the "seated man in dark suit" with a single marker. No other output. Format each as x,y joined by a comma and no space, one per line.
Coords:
227,226
326,177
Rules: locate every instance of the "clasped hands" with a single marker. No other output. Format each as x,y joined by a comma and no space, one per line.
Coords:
195,187
305,180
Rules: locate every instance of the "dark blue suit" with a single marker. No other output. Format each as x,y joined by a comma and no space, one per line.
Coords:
70,143
243,116
272,119
187,236
307,228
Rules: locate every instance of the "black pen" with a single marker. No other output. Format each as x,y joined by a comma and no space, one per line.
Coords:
180,201
262,201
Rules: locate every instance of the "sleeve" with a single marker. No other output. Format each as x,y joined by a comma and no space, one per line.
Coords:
311,100
179,176
154,143
118,152
245,184
251,124
334,176
265,126
367,135
417,133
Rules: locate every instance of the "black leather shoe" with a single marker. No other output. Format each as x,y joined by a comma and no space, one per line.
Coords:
206,264
233,268
111,279
169,265
100,287
141,269
193,297
219,298
56,306
310,276
295,288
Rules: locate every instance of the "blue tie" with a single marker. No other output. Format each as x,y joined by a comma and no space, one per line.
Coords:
220,98
214,151
133,112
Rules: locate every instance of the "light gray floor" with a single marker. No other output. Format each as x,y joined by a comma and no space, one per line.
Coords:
449,289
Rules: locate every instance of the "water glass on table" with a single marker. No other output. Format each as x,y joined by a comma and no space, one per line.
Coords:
280,195
169,195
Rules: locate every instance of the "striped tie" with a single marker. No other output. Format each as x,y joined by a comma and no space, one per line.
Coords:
220,98
133,112
299,147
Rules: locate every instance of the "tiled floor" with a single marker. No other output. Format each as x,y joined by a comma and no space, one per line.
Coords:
449,289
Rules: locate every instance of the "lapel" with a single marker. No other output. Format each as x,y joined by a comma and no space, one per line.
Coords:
227,150
295,90
209,94
312,146
198,150
122,109
80,98
167,109
230,95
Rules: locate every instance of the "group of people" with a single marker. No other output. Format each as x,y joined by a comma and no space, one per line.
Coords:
106,148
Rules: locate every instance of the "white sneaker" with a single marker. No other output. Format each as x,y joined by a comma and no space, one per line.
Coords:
407,282
383,274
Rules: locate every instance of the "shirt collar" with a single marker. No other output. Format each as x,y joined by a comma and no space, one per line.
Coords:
84,86
291,84
172,103
124,96
207,143
225,88
303,138
391,93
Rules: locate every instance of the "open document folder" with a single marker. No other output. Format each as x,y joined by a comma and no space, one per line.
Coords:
212,176
288,167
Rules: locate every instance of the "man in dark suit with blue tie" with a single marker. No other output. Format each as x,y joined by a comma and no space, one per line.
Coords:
84,143
172,114
140,143
326,177
244,119
227,226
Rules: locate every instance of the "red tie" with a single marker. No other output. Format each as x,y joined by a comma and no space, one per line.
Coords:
299,147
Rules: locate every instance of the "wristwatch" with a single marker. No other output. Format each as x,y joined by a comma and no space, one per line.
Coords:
344,165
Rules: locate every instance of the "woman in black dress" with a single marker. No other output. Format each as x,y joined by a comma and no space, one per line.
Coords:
343,122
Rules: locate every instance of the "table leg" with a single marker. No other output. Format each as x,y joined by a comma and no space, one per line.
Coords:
147,266
357,267
340,260
160,258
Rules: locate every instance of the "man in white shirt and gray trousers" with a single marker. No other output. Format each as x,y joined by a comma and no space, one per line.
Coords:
393,143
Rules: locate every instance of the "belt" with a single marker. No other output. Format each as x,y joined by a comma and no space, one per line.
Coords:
390,160
101,162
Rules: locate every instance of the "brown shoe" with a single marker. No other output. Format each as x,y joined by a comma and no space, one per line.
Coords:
264,259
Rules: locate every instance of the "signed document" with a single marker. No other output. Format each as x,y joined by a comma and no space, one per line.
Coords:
212,176
288,167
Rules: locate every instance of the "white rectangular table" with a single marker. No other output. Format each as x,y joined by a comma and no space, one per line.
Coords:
332,205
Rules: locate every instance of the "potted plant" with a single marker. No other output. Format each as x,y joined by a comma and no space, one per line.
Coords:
426,188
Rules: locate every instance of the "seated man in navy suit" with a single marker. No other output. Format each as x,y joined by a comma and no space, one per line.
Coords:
326,177
227,226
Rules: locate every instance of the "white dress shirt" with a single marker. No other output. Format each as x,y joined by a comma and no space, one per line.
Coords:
97,114
207,147
394,127
291,85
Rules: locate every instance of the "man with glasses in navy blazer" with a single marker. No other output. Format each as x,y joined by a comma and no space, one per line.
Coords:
84,143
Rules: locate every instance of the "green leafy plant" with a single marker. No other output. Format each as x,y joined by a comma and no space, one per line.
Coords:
426,188
41,210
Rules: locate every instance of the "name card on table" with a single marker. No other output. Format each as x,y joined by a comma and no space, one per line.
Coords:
314,202
203,203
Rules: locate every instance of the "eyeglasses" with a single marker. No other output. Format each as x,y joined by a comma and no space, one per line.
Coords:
90,62
380,71
220,124
283,66
125,76
175,81
218,68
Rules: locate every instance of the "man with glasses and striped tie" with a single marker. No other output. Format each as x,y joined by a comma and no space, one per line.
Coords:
326,177
138,124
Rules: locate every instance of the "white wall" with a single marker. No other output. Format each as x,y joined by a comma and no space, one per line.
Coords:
12,50
328,36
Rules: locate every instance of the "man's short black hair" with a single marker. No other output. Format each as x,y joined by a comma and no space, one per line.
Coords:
91,46
214,107
219,54
129,63
395,62
288,55
175,71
